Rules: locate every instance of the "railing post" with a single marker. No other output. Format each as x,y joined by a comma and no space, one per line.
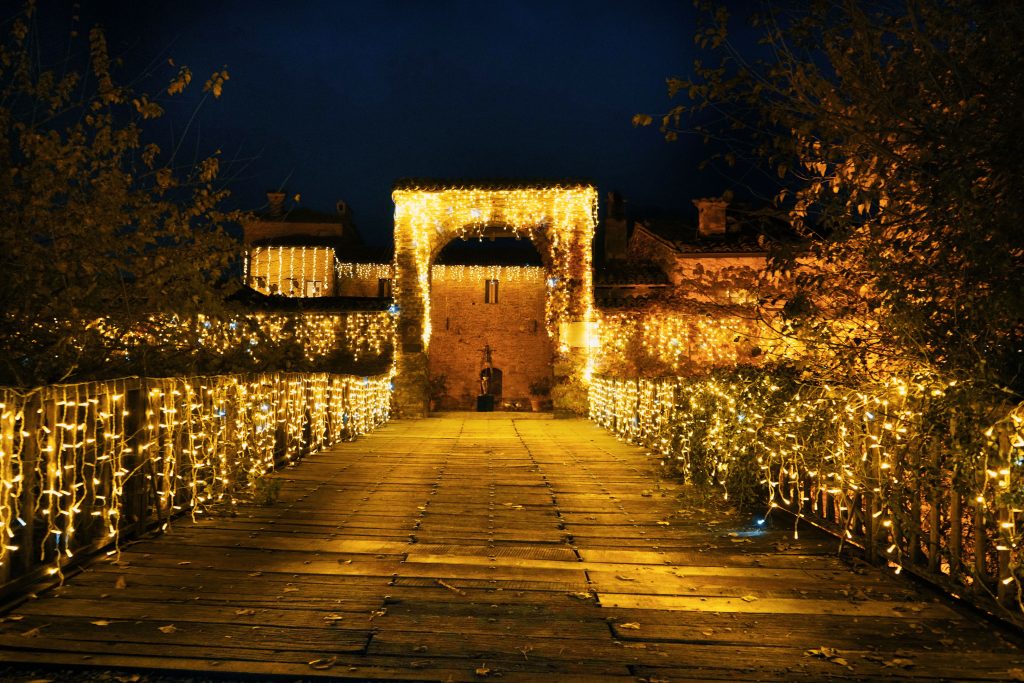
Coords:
31,456
934,512
136,403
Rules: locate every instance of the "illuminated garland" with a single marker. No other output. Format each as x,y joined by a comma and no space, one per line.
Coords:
871,448
679,342
364,271
196,442
459,273
560,221
285,270
319,335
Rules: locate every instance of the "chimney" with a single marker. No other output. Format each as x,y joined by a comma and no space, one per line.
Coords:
710,216
276,202
615,237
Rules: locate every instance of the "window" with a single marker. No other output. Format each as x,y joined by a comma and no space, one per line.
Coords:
312,288
490,291
384,288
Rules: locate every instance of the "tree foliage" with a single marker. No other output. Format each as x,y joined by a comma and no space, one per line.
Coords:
99,224
893,130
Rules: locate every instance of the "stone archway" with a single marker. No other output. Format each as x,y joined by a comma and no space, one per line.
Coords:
559,218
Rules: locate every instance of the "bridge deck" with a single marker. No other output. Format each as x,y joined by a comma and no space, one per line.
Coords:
473,546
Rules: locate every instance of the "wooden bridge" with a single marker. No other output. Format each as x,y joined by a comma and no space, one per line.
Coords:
489,546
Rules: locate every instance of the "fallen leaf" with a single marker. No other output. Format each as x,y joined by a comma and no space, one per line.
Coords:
255,573
168,629
482,671
245,612
12,617
184,562
748,598
40,680
708,633
333,617
630,624
1015,674
900,662
624,578
325,663
291,589
133,678
101,622
33,632
663,523
580,596
121,583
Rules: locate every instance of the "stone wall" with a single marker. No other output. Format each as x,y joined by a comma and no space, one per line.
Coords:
462,323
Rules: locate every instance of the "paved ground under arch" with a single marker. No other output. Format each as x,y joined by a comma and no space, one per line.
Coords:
505,547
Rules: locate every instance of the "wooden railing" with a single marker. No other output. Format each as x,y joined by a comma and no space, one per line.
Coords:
83,466
906,470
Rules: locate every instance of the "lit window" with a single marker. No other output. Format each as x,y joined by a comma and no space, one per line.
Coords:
490,291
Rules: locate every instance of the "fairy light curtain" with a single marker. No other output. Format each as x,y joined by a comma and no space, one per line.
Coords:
559,218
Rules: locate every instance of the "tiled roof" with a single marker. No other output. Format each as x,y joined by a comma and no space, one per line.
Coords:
619,272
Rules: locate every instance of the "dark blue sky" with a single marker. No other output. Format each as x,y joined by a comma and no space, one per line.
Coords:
336,100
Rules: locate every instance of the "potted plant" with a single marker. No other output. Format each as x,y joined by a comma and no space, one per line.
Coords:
540,389
437,387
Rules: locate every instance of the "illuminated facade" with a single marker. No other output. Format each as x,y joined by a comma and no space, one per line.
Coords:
559,218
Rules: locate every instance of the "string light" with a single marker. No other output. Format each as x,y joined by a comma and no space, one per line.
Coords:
559,219
266,267
200,441
853,457
361,335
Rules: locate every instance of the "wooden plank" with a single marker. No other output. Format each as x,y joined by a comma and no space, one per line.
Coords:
755,605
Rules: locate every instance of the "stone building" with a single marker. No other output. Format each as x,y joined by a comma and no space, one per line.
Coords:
489,289
291,251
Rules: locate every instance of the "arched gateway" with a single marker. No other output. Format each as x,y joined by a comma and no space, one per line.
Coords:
559,218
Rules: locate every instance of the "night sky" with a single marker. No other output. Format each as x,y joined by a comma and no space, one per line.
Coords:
337,100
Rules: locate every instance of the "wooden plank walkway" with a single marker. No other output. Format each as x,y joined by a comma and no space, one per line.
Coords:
486,546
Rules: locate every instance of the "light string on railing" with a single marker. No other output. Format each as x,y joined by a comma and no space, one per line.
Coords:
67,452
896,461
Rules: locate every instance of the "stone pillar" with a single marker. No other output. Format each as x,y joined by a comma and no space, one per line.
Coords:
411,390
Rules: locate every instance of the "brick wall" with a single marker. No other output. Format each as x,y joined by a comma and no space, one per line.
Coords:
461,324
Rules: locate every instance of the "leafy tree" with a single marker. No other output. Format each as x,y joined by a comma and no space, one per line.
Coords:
99,226
894,132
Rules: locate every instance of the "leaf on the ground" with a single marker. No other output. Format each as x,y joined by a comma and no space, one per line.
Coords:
12,617
900,662
168,629
333,617
830,653
184,562
291,589
664,523
101,622
245,612
749,598
323,663
630,624
33,632
514,506
647,493
131,678
255,573
708,633
620,577
121,583
580,595
1015,674
40,680
482,671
